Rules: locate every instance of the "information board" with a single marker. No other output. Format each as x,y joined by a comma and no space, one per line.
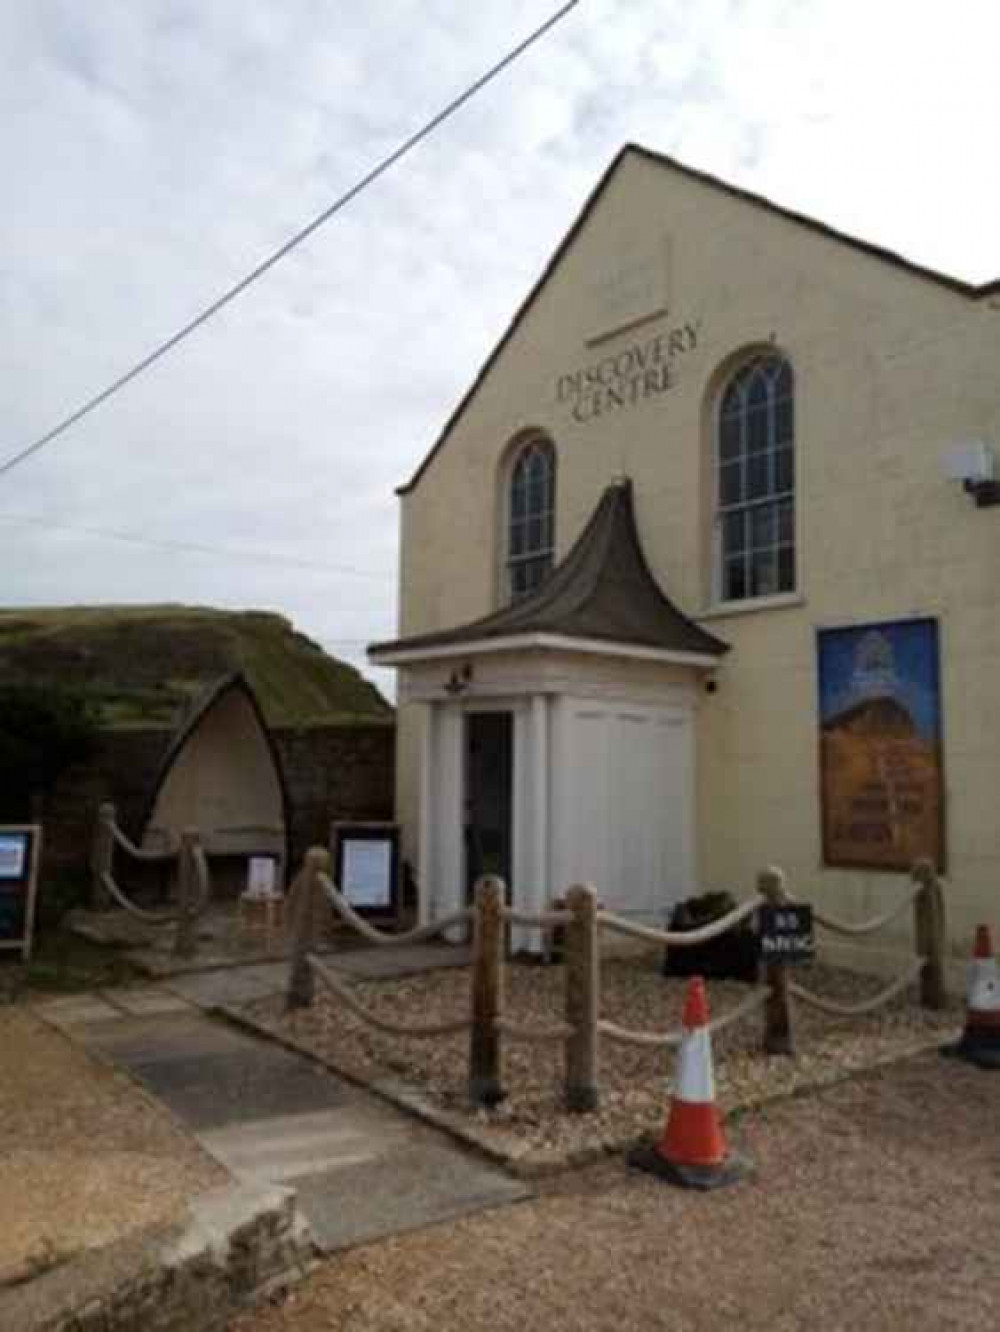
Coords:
366,866
262,878
20,849
786,933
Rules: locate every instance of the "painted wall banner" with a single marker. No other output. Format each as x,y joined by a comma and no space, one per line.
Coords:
880,745
20,849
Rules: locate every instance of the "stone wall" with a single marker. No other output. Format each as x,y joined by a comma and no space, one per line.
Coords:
331,773
240,1245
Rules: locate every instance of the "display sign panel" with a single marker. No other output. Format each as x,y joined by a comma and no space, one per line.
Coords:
13,855
880,745
786,933
366,863
20,846
366,876
262,877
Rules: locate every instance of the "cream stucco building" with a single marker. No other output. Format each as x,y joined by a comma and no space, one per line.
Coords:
715,434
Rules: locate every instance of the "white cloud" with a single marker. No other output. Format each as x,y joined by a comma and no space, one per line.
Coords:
152,153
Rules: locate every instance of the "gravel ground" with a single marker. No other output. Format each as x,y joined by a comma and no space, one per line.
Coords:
875,1206
530,1127
86,1156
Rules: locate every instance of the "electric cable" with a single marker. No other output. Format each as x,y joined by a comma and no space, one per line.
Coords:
292,243
197,547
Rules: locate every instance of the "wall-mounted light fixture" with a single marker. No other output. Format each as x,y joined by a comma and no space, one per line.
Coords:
974,465
459,680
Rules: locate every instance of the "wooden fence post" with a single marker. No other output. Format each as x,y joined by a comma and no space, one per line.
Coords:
928,920
777,1011
582,999
305,901
487,992
102,854
186,937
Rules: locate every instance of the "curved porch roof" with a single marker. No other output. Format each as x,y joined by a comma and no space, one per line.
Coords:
603,592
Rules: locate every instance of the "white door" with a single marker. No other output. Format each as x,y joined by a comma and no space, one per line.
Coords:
624,804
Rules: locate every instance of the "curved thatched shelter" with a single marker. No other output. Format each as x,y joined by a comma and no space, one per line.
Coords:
223,775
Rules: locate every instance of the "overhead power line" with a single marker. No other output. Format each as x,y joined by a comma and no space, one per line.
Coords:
277,255
196,547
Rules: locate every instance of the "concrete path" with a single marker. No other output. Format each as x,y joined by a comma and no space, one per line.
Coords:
362,1169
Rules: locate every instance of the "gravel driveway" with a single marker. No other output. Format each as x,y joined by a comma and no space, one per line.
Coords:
86,1156
876,1205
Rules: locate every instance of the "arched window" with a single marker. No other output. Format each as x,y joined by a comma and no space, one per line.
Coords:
755,494
531,504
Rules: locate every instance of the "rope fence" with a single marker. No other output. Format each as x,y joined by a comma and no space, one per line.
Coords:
682,938
866,1006
367,931
349,1000
314,895
671,1039
193,878
854,929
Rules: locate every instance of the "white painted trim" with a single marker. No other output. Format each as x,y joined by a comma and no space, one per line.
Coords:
426,907
779,601
545,642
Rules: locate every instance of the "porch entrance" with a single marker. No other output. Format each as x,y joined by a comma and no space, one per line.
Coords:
488,796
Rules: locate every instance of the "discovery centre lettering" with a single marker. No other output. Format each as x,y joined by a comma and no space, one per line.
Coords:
623,378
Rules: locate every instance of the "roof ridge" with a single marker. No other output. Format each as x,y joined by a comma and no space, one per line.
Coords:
924,272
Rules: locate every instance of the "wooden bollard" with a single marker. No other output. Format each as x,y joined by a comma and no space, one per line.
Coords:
487,992
102,856
928,921
582,985
304,900
777,1010
186,936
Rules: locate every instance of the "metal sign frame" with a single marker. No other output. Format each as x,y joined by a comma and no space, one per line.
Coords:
346,835
25,883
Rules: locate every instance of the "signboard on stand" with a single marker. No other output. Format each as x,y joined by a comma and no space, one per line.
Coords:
20,851
366,867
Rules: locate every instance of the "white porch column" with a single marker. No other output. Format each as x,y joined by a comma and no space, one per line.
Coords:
532,892
428,803
540,774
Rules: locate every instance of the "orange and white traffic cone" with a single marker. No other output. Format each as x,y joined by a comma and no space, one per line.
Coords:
692,1151
980,1040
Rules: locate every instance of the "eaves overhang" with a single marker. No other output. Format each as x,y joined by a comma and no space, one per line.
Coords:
539,642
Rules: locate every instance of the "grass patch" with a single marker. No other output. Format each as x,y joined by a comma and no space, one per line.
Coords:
63,963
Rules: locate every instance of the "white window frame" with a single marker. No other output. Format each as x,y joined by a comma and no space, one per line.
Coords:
773,499
545,551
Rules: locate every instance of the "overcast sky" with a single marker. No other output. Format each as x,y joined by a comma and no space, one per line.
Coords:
155,150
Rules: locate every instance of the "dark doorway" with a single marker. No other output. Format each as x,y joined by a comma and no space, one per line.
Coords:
489,766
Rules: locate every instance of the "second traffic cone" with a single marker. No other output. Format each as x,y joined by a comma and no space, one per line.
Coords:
980,1040
692,1151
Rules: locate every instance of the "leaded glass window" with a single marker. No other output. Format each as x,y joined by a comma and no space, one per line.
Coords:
755,498
531,518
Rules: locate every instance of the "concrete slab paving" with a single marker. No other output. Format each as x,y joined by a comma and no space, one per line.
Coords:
288,1146
361,1168
77,1010
211,1075
212,989
428,1182
147,1002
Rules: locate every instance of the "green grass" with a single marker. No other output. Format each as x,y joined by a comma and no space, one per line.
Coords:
63,963
146,665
